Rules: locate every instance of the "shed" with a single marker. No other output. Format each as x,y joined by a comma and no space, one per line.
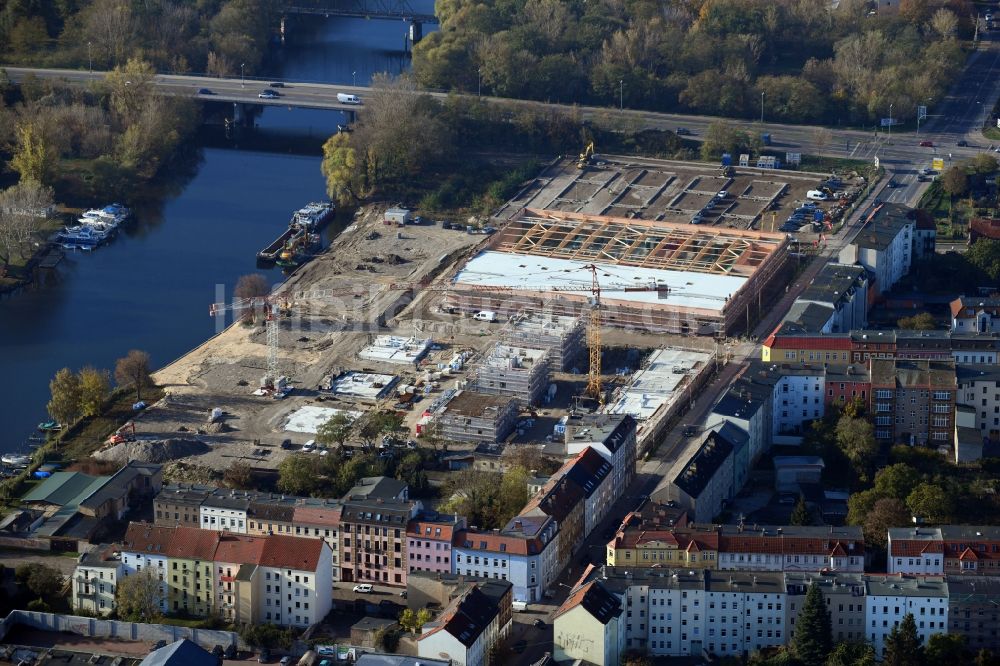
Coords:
397,216
363,632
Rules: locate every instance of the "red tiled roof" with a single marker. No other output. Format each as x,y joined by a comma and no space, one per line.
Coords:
813,342
147,538
419,528
914,547
325,517
191,543
239,549
288,552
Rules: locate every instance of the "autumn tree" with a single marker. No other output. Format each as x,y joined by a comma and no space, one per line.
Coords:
64,405
239,476
95,389
955,180
336,430
139,596
374,423
902,645
346,179
886,512
34,157
41,580
923,321
251,286
930,502
129,87
856,437
133,370
414,621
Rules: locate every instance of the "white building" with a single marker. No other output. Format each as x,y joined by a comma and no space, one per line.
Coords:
593,475
843,289
225,512
706,480
884,245
589,628
979,388
300,571
143,548
975,314
798,398
916,550
611,435
888,599
95,580
470,627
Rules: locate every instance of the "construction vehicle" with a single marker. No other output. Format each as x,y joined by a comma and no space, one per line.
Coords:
126,433
585,156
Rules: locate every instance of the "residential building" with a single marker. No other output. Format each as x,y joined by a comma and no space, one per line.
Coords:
470,627
971,549
379,488
706,480
523,552
888,599
564,501
691,546
791,548
969,442
915,550
884,245
144,547
300,570
428,541
179,504
588,627
592,474
844,595
847,382
973,612
748,405
226,511
913,401
798,395
519,372
373,539
844,290
562,337
611,435
471,416
792,344
95,580
979,390
434,589
975,314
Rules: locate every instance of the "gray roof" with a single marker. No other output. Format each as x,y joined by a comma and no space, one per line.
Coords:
835,283
611,430
970,373
180,653
883,226
806,317
377,487
711,456
901,586
120,483
65,488
378,659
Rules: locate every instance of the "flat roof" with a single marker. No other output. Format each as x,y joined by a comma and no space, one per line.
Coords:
308,419
655,384
396,349
471,403
367,385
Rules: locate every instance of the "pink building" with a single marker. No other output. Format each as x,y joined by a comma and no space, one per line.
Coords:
428,542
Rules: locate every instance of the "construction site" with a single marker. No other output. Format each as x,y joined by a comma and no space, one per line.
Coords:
490,338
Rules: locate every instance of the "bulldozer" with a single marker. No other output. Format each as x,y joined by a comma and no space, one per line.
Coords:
585,156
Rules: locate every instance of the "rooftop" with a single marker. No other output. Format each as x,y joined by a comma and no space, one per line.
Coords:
465,618
969,373
907,373
711,455
611,431
883,225
477,405
595,599
180,653
363,385
835,283
378,487
807,317
309,418
666,373
905,586
512,357
395,349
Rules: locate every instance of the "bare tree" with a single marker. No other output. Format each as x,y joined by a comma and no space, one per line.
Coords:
139,596
821,137
111,24
133,370
23,207
944,23
252,285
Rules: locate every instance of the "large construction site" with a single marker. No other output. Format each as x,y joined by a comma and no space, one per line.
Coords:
498,330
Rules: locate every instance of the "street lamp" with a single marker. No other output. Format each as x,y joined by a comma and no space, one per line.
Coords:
90,59
354,79
621,94
242,81
761,107
479,82
889,141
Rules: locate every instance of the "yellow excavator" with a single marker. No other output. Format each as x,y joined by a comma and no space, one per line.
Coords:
585,156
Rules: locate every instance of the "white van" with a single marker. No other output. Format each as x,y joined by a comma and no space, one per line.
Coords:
816,195
519,606
485,315
344,98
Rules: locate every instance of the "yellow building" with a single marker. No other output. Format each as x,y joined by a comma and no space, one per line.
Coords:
782,347
692,549
188,573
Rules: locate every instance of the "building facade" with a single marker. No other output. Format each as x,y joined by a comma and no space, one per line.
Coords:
95,580
888,599
884,245
913,401
428,542
373,540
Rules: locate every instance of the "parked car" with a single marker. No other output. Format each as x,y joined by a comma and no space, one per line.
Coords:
205,91
963,143
268,94
817,195
689,431
364,588
682,131
926,144
326,651
286,444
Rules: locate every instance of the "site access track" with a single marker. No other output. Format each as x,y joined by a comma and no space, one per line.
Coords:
958,117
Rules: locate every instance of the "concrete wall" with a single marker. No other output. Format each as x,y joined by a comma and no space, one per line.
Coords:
127,631
25,543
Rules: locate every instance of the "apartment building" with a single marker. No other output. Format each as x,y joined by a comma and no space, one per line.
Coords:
975,314
470,627
792,344
748,405
611,435
979,389
695,547
844,595
145,548
888,599
915,550
519,372
562,337
179,504
592,474
884,245
95,580
373,537
789,344
847,382
706,480
913,401
428,541
564,501
523,552
791,548
798,395
476,417
973,612
588,627
843,289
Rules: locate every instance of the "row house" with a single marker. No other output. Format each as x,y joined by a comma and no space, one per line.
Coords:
682,612
979,390
691,546
913,401
592,474
843,291
748,404
283,580
973,612
429,537
975,314
611,435
523,552
373,537
95,580
884,245
469,629
947,549
564,501
789,344
847,382
705,482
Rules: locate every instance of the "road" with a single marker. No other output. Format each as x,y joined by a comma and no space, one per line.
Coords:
957,117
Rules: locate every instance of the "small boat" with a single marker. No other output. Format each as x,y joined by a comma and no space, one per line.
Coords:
49,426
85,234
15,459
313,216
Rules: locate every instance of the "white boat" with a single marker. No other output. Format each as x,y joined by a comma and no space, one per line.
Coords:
313,216
91,234
15,459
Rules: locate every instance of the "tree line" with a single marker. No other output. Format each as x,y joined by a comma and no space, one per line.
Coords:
76,395
808,60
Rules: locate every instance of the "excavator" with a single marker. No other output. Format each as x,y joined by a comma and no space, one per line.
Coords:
585,156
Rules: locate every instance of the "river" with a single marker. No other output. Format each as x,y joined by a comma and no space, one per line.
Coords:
151,287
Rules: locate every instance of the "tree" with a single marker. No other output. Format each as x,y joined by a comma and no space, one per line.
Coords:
133,370
984,163
239,476
852,654
955,180
298,475
95,389
42,581
856,438
896,480
902,645
130,86
139,596
34,157
336,430
886,512
944,23
947,649
801,514
255,286
346,180
985,256
266,635
812,638
414,622
64,406
930,502
372,424
722,137
923,321
22,208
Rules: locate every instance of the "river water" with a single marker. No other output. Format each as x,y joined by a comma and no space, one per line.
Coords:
151,287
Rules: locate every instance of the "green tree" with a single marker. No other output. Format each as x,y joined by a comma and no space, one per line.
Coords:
34,157
723,137
923,321
414,621
801,514
930,502
860,504
64,406
852,654
346,181
41,580
130,86
984,163
139,596
955,181
896,480
375,423
298,474
336,430
133,370
812,638
947,649
95,389
886,512
856,438
985,256
902,645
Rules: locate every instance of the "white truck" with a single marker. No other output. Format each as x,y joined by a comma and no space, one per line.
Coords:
344,98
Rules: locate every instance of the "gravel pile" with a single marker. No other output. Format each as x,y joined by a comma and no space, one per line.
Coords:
157,451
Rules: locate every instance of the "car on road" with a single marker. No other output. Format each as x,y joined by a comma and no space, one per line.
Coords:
268,94
277,84
364,588
962,144
326,651
689,431
926,144
538,624
205,91
683,131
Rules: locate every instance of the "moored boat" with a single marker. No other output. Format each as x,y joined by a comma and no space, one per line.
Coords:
49,426
15,459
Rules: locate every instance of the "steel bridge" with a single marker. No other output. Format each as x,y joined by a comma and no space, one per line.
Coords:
370,9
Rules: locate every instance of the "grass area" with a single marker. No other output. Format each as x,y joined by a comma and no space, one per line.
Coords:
834,164
992,133
90,433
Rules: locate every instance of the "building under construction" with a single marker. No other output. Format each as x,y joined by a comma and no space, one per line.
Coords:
563,337
513,371
653,275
